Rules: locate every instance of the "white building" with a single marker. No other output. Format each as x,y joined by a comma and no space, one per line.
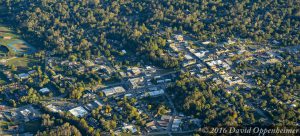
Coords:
44,90
23,75
175,125
206,42
156,93
78,111
188,57
130,128
114,90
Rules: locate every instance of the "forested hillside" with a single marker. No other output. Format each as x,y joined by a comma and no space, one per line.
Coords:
87,26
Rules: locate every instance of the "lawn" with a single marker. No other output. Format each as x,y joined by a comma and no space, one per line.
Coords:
20,62
14,42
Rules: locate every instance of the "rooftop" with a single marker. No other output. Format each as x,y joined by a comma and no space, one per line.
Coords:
78,111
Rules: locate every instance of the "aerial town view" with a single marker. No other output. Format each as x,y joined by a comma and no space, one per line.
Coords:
149,67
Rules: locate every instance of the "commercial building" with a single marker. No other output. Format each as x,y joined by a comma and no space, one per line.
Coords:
78,111
114,90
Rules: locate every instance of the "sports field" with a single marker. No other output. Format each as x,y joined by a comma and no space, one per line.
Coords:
14,42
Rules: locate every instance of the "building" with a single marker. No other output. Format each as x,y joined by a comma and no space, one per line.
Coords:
78,111
206,42
130,128
175,125
179,38
135,82
189,62
135,71
231,42
7,37
156,93
32,72
44,90
114,90
23,75
166,118
26,114
188,57
53,108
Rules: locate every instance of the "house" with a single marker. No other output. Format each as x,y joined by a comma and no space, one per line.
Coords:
229,42
166,118
188,57
8,75
32,72
206,42
14,128
122,74
26,114
105,69
160,81
98,103
189,62
78,111
88,63
175,125
151,126
163,123
130,128
44,90
7,37
53,108
89,96
174,48
168,80
179,38
135,71
23,76
200,54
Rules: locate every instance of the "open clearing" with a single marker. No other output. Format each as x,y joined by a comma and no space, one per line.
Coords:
14,42
19,62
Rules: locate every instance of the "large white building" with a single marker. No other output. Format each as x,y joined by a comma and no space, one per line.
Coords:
114,90
78,111
156,93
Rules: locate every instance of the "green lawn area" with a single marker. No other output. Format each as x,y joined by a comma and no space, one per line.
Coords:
2,82
2,28
13,41
21,62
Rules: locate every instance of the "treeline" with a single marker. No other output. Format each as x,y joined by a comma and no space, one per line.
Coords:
63,130
89,26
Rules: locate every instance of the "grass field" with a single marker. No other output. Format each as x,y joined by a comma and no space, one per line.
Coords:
14,42
20,62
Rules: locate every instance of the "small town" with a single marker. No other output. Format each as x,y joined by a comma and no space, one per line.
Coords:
150,80
128,93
